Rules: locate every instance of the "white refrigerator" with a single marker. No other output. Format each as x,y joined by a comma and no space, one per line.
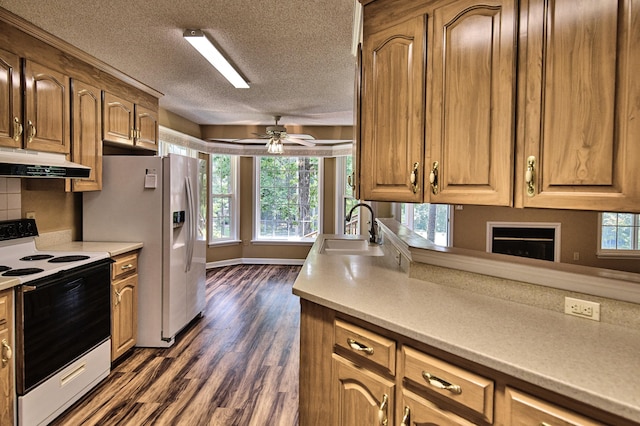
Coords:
156,201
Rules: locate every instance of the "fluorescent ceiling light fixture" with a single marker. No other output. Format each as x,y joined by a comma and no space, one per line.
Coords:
202,44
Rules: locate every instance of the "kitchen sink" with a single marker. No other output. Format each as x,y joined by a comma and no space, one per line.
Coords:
357,247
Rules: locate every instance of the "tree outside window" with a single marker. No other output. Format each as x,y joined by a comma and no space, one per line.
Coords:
288,198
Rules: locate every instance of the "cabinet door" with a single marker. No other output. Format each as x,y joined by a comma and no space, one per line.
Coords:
146,128
7,349
47,109
580,126
124,316
417,411
11,128
118,120
87,134
392,123
473,96
361,397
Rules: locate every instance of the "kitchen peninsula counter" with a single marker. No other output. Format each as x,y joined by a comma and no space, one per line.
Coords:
592,362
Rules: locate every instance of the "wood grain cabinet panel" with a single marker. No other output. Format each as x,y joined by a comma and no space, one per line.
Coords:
362,398
118,120
579,98
46,123
418,411
11,127
7,347
124,304
524,409
87,134
147,128
471,148
392,108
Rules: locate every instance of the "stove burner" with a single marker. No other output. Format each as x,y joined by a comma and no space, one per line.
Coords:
21,271
4,268
37,257
71,258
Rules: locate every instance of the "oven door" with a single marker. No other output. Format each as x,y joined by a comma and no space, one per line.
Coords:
59,319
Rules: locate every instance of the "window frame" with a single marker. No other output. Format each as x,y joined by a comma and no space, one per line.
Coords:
256,239
234,203
397,212
619,253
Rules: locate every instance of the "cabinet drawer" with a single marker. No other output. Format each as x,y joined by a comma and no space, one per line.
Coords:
366,344
418,411
524,409
468,389
123,265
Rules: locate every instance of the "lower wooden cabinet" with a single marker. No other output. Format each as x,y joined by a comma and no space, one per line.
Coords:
7,347
524,409
347,371
362,397
124,304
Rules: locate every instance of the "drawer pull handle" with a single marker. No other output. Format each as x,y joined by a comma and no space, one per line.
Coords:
7,353
127,266
382,411
441,384
406,418
356,346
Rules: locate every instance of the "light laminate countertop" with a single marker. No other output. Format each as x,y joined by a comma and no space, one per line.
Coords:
113,248
592,362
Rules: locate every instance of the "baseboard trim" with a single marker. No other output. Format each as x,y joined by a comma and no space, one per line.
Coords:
253,261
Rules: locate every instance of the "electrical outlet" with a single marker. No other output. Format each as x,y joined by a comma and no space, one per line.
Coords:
582,308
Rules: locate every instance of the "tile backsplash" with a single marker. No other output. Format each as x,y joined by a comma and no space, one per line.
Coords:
10,198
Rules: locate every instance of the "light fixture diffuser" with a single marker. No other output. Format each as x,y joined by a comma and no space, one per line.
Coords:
202,44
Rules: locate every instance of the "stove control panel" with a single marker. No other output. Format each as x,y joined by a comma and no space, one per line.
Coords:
19,228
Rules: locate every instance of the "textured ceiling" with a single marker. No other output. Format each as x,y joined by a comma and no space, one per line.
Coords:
296,54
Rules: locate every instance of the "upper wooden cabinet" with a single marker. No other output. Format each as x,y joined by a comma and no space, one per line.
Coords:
44,125
470,126
46,121
392,112
87,134
579,127
10,101
129,124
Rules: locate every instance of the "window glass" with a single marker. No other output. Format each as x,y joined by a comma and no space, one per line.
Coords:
224,217
288,198
619,231
432,221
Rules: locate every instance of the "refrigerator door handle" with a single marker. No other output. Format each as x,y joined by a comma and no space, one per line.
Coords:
191,227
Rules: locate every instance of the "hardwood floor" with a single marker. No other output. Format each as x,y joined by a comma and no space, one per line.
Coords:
237,365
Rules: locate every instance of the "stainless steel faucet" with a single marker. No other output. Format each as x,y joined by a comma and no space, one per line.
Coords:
373,232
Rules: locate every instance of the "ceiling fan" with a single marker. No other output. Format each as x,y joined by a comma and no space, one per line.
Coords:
277,134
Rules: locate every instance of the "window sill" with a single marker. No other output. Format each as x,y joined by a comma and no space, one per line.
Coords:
618,254
301,242
224,243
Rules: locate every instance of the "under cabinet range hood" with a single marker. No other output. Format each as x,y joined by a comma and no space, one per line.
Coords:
25,163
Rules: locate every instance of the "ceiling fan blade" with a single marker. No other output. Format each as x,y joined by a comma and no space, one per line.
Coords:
261,135
300,141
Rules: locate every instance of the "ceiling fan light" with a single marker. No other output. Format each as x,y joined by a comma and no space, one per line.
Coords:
202,44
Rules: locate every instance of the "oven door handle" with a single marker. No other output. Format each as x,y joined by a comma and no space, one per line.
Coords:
28,288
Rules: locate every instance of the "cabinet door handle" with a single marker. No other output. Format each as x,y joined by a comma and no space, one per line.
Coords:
17,129
32,131
441,384
357,346
406,418
415,186
433,178
118,297
351,181
530,176
7,353
382,411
